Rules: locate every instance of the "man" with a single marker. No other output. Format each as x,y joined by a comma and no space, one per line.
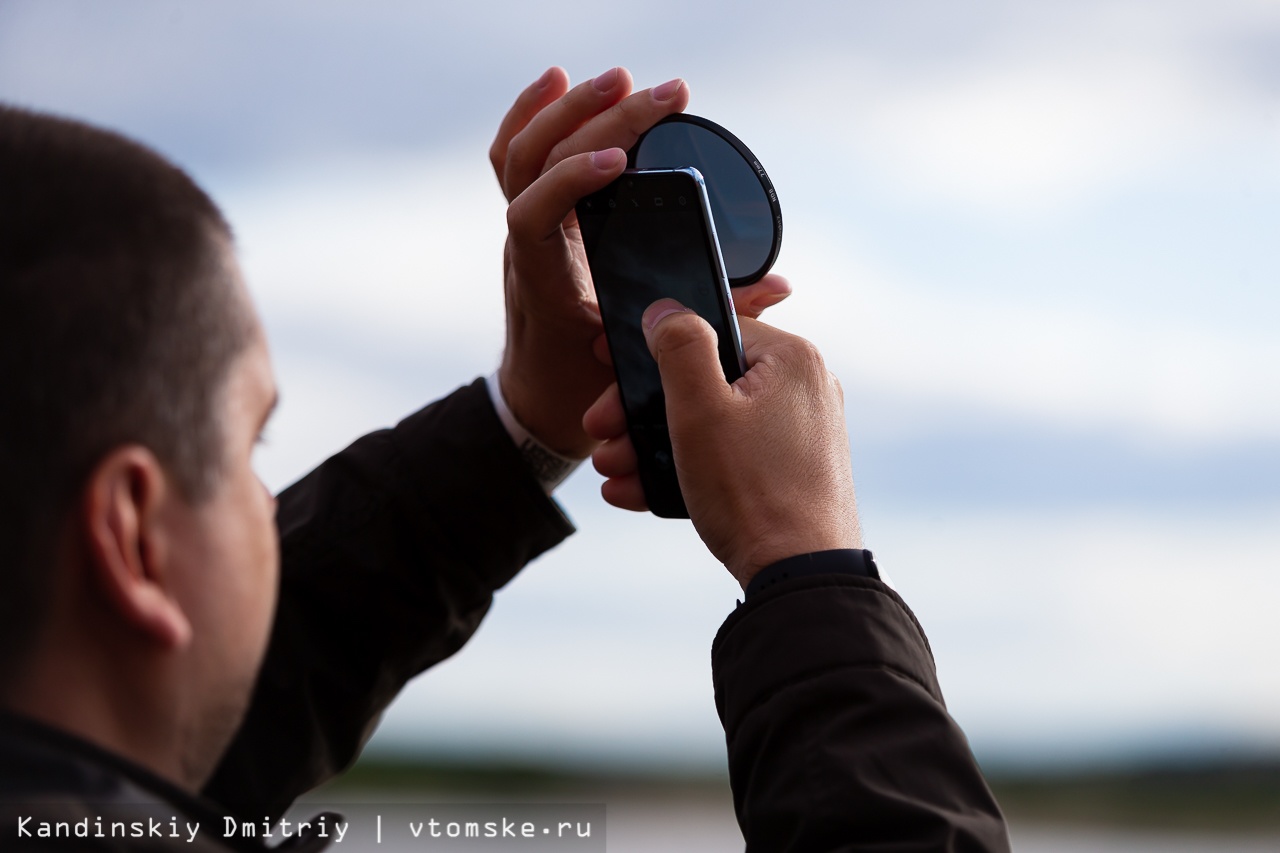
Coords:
161,653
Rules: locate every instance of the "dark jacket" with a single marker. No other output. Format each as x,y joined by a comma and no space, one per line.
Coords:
392,550
837,733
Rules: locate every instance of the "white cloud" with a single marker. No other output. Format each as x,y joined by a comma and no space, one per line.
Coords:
1095,623
1048,108
1169,380
1025,138
402,250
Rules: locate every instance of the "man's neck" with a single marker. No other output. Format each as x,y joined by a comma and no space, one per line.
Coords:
111,695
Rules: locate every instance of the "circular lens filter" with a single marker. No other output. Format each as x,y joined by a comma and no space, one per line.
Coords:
744,205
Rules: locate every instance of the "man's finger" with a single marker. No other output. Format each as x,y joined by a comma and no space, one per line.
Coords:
529,149
606,420
600,349
751,300
622,124
548,88
539,211
797,359
625,493
684,346
616,458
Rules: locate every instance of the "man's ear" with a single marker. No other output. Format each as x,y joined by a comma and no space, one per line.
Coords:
125,516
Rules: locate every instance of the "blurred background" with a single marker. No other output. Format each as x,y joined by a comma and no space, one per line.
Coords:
1037,242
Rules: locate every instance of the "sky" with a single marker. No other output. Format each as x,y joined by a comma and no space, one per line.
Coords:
1035,242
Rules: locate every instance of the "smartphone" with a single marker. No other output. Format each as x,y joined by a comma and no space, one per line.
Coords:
650,235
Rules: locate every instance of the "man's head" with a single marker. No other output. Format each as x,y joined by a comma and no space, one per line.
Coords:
134,381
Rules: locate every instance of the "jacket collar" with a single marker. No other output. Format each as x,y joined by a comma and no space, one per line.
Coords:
39,763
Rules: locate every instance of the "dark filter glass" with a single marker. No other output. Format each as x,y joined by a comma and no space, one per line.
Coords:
744,218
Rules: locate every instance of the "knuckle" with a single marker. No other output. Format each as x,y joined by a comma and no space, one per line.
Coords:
635,116
561,151
516,224
807,359
518,157
837,389
682,332
640,109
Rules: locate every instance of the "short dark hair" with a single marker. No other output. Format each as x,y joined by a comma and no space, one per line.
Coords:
119,320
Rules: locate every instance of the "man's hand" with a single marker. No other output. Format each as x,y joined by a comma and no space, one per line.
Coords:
556,145
763,463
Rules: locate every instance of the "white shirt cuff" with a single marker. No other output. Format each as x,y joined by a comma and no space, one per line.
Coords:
548,467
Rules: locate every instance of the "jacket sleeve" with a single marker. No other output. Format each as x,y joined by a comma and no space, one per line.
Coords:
837,732
390,554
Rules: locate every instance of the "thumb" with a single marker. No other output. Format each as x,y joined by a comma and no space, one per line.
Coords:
684,345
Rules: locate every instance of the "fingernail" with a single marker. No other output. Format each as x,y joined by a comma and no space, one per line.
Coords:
659,311
541,82
668,90
606,80
609,158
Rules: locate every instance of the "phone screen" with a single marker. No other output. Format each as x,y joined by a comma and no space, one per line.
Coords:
649,235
